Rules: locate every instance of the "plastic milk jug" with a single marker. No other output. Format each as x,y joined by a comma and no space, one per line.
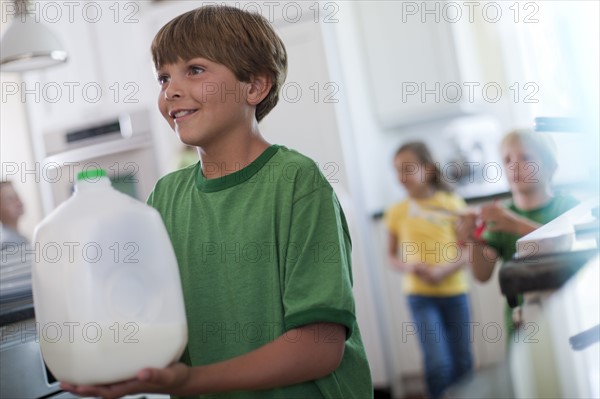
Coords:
106,287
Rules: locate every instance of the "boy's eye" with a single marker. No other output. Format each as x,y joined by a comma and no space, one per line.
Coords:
162,79
195,70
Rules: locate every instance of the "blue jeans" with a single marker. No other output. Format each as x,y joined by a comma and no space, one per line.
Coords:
443,325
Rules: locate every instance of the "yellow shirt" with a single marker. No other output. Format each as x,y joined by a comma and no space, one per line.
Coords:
425,231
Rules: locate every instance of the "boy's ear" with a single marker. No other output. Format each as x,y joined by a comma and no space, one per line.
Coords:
258,89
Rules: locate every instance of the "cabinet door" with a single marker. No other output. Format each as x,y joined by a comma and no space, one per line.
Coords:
103,67
410,56
305,117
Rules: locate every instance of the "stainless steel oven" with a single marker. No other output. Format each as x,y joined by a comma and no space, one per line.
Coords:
23,374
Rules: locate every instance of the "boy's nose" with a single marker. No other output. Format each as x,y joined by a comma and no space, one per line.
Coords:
172,91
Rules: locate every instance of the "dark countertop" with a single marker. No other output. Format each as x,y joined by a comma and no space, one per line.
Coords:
468,199
12,311
479,193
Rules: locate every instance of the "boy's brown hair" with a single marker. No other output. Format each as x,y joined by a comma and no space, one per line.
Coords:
244,42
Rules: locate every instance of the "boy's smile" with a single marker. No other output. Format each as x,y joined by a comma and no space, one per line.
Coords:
203,101
179,115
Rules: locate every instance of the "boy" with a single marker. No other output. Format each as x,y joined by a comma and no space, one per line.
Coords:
529,162
262,243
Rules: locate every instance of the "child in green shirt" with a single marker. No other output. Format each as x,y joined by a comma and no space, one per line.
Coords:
261,240
529,161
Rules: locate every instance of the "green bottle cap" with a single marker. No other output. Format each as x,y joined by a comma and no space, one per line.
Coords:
91,174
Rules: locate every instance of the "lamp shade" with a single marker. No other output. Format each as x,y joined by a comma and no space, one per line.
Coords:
28,45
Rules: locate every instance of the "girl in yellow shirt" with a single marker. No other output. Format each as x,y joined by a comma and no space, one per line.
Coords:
422,245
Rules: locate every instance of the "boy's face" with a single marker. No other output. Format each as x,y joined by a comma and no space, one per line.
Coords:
203,102
523,167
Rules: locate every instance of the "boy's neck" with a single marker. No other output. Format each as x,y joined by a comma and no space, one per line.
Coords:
225,158
534,199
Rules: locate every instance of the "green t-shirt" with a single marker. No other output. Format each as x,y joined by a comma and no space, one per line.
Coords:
261,251
506,243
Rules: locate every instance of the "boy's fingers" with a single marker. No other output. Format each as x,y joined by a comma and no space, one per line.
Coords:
163,377
156,376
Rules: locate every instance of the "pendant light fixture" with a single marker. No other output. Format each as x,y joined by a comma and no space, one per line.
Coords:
27,44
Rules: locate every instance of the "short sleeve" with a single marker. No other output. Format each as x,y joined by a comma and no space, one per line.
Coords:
391,219
150,200
317,266
458,203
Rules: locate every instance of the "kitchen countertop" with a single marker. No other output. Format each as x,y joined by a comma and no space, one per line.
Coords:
16,310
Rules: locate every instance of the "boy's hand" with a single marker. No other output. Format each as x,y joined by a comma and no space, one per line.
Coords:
499,218
170,380
465,226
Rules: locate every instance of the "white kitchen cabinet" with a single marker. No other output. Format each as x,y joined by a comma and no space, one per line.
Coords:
95,82
305,119
413,72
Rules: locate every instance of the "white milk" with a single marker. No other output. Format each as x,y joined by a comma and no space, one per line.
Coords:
117,353
106,287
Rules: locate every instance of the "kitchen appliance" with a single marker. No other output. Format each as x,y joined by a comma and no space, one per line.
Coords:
122,145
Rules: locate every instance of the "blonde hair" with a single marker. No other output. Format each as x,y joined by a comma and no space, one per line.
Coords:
244,42
542,144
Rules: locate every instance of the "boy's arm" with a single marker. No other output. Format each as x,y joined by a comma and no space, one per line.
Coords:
483,259
302,354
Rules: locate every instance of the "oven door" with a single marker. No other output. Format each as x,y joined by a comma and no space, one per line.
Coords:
22,370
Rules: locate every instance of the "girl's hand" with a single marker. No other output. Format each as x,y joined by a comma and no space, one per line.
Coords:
169,380
432,275
401,266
